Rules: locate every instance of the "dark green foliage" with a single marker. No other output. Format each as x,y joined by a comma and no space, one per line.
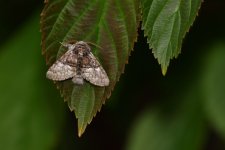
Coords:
113,26
146,111
31,115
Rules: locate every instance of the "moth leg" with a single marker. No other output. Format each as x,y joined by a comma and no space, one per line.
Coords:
78,80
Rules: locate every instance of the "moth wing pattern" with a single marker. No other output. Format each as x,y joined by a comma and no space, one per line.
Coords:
64,68
93,72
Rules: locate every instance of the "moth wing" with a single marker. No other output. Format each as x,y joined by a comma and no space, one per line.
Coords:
94,72
64,68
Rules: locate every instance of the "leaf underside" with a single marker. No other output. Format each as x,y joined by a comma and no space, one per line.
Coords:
165,23
110,24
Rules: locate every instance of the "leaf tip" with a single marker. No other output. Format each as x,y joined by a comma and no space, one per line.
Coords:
81,129
164,70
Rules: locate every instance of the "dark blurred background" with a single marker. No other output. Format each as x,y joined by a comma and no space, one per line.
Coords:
182,111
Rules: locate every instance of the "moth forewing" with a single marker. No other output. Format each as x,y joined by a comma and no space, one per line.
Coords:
62,68
59,71
95,74
78,63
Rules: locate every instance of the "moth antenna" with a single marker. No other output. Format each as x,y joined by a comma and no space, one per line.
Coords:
65,44
60,42
95,45
69,42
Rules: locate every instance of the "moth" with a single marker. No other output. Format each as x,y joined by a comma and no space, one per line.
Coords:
78,63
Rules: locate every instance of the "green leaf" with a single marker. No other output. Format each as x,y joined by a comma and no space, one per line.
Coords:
30,115
182,129
110,24
165,23
213,87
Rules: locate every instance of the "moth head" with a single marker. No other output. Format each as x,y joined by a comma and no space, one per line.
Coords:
81,42
82,46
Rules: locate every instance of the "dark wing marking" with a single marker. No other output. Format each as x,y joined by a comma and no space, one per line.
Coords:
64,68
93,72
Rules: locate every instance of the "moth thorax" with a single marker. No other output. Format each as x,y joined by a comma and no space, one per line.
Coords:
80,53
85,61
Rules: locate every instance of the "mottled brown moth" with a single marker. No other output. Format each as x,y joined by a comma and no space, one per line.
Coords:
78,63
